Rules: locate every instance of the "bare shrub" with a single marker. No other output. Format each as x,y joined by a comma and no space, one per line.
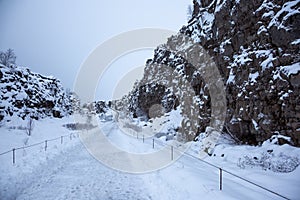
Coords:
30,126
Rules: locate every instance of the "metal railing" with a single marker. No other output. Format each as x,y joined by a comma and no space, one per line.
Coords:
45,144
221,170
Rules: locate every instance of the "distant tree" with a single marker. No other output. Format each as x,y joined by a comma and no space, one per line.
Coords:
7,58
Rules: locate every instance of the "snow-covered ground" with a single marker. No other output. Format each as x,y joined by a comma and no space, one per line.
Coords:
69,171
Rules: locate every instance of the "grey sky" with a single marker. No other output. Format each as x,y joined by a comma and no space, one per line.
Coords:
54,37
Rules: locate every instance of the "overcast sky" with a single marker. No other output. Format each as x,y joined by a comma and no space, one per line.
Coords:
54,37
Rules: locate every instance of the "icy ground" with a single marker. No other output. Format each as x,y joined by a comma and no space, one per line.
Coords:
68,171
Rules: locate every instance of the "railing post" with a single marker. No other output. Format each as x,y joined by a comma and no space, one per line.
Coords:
153,143
61,139
14,156
172,152
220,178
143,138
45,145
70,136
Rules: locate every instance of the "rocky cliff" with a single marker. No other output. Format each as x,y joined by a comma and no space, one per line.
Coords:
27,94
255,46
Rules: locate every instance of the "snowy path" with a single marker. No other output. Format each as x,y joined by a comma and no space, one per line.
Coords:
75,174
79,176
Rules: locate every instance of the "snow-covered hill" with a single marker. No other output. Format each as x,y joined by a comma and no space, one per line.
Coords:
24,93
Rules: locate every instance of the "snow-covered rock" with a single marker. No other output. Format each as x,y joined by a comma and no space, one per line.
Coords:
255,45
27,94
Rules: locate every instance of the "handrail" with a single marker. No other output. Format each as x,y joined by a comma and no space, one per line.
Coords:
221,169
32,145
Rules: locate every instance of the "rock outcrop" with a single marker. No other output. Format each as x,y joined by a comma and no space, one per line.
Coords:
255,45
27,94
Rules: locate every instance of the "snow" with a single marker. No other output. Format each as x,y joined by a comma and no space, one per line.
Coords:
77,175
266,5
285,95
231,77
226,42
288,9
69,171
255,124
195,35
219,5
205,23
243,57
276,75
268,14
26,87
13,134
291,69
261,30
21,96
253,76
267,62
268,9
295,42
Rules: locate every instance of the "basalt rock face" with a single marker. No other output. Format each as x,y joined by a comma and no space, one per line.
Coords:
155,94
255,45
26,94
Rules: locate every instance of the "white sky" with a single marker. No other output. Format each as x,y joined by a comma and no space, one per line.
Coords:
54,37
